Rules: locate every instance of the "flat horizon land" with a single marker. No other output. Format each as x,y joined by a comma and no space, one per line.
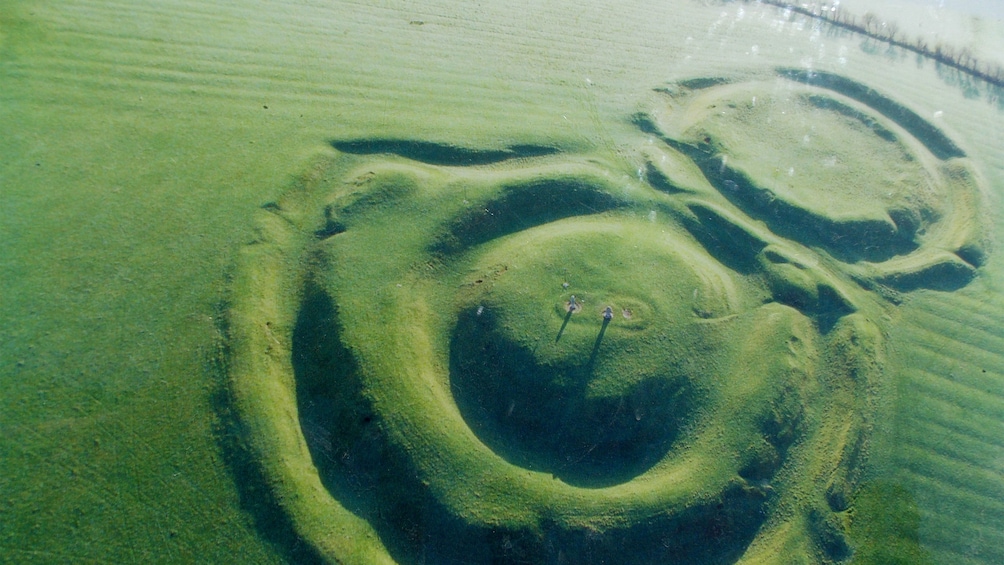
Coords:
144,142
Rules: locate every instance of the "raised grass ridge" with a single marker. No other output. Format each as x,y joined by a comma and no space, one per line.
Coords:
935,140
715,379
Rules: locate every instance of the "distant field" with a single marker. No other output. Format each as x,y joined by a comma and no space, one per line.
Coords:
171,171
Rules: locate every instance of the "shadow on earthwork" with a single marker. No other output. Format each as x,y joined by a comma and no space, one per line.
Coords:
542,417
233,437
343,433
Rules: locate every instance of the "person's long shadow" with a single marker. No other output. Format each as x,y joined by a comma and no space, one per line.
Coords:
596,345
568,316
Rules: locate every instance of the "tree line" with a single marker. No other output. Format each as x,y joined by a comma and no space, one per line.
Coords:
872,26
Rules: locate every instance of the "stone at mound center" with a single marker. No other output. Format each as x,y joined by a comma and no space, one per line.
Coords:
592,401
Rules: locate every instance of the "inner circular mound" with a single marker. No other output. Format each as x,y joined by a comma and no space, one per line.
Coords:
594,401
827,170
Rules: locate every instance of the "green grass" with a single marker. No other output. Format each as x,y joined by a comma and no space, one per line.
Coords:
450,399
139,142
949,439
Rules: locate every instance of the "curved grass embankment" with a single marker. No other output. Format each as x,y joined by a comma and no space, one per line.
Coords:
770,147
421,384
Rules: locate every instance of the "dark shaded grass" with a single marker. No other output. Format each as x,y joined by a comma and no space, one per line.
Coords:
371,477
849,242
256,497
523,206
933,138
440,153
541,418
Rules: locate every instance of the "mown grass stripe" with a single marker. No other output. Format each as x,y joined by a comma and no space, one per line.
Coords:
88,73
959,394
957,510
294,28
582,48
945,414
962,317
967,492
101,78
957,369
626,39
214,61
991,479
986,311
924,432
235,52
956,305
953,319
957,361
951,322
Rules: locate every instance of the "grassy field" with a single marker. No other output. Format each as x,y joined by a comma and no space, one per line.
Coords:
141,140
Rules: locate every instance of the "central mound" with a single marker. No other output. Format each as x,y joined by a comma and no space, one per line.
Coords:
418,384
592,400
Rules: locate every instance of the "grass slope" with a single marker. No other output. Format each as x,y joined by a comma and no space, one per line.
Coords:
419,306
140,138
